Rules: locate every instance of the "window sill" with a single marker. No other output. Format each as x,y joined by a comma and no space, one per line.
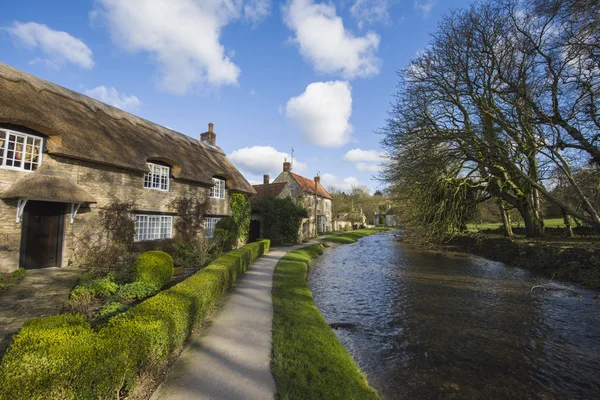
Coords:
157,189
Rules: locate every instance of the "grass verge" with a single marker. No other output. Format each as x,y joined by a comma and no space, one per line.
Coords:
309,362
353,236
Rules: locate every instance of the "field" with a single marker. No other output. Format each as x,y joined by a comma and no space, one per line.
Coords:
548,223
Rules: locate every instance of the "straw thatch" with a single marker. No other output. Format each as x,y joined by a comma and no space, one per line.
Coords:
83,128
46,184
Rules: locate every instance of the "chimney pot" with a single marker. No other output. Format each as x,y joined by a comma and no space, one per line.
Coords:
317,179
210,126
265,179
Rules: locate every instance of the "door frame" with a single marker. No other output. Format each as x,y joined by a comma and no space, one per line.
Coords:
60,236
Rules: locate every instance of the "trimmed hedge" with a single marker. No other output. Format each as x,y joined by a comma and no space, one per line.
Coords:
62,357
153,267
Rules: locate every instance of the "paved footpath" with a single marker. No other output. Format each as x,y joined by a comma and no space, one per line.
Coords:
41,293
232,358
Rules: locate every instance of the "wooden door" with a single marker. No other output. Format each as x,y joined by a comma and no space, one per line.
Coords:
42,234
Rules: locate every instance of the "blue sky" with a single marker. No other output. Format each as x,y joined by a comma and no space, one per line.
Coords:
315,76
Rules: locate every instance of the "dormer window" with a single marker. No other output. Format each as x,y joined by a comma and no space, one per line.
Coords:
218,189
20,151
158,177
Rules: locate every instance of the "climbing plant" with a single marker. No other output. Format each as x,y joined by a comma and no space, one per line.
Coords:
281,219
240,213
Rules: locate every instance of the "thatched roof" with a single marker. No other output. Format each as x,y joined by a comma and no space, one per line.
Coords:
80,127
47,185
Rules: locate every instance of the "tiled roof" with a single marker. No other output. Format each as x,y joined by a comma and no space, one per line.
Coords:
270,190
308,185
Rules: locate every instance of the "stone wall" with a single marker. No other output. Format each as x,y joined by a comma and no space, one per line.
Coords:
105,184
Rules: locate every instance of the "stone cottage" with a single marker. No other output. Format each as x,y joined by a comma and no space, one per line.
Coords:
64,157
309,192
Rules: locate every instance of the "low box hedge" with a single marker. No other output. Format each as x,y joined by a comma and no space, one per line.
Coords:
63,357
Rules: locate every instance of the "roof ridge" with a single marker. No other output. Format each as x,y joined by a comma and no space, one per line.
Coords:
72,95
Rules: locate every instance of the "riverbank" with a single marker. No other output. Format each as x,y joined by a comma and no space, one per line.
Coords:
309,362
569,259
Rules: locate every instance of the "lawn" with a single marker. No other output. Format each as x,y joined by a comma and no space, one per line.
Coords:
353,236
548,223
309,362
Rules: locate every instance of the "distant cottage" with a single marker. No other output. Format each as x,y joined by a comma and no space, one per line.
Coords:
64,157
309,192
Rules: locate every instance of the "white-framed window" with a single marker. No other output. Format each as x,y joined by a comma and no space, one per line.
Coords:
209,226
218,189
158,177
153,227
20,151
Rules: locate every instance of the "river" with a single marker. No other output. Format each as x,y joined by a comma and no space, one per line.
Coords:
432,326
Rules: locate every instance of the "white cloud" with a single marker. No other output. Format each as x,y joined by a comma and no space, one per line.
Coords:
110,95
183,36
259,160
345,184
371,11
368,167
59,46
358,155
423,7
326,44
322,113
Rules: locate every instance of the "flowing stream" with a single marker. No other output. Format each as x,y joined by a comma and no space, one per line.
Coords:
432,326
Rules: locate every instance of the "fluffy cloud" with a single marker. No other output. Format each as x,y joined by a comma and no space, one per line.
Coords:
370,12
110,95
345,184
366,160
322,113
358,155
424,7
367,167
59,46
327,45
259,160
183,36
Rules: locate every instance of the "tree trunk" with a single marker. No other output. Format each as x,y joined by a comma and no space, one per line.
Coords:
506,222
567,220
534,225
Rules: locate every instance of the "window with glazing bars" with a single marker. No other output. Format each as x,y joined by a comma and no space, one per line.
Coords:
157,178
218,189
153,227
209,226
20,150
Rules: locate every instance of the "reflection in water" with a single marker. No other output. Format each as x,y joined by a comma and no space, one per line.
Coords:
433,326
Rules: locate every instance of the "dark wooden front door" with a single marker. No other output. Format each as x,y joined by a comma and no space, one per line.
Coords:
42,234
254,230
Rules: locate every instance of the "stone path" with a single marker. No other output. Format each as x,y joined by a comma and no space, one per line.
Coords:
232,358
42,292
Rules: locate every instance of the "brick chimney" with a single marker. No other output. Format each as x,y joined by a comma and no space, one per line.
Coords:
209,137
287,166
265,179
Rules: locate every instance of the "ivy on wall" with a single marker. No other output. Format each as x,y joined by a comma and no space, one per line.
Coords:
240,213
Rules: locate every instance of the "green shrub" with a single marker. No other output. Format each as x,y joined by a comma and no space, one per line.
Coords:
102,287
136,290
63,357
281,219
112,308
18,274
153,267
86,277
226,233
185,255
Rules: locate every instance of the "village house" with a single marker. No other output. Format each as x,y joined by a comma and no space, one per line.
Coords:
308,192
64,157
